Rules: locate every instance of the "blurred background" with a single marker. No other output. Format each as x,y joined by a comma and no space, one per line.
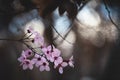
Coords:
82,28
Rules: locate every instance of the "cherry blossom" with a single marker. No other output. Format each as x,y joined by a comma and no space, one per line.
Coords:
38,39
57,61
56,56
49,54
27,64
61,66
71,63
44,66
56,52
27,53
38,60
22,57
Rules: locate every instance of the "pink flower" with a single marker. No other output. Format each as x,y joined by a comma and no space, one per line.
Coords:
24,55
48,53
71,63
55,52
30,56
38,39
57,61
27,53
22,58
47,50
61,66
38,60
44,66
56,56
52,54
27,64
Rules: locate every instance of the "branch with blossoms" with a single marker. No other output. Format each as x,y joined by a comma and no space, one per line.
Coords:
39,55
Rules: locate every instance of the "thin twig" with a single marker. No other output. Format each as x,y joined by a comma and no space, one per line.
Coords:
9,39
61,35
29,47
28,36
57,32
109,14
64,38
84,2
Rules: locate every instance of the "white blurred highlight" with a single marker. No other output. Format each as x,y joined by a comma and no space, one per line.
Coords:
21,22
61,23
89,17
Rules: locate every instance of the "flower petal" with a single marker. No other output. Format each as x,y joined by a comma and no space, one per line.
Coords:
60,70
42,68
47,68
64,64
51,59
21,59
34,60
43,59
71,58
49,48
56,63
30,66
56,53
25,66
38,63
59,59
71,64
44,50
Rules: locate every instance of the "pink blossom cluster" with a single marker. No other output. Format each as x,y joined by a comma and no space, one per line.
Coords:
49,54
